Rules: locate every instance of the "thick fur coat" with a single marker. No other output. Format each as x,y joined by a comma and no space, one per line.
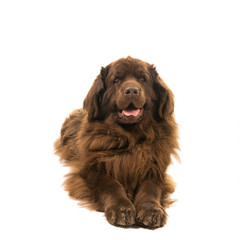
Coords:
120,145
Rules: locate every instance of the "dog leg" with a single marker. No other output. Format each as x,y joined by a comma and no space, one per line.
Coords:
111,198
150,213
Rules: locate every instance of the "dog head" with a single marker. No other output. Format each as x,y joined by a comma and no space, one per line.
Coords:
129,91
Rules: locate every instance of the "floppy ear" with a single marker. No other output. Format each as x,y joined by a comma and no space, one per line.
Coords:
93,99
165,97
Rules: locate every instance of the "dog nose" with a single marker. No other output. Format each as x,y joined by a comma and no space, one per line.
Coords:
131,91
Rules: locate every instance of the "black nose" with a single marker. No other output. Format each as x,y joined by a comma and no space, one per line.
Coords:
131,91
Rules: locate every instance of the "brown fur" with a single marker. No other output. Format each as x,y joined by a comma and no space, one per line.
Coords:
118,164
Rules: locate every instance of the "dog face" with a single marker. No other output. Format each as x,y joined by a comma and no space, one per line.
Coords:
129,91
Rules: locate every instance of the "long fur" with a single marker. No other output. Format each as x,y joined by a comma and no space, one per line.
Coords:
94,146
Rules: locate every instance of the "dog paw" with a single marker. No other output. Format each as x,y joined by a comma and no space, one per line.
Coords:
151,215
122,214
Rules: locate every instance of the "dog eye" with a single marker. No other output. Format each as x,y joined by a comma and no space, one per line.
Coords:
142,79
116,80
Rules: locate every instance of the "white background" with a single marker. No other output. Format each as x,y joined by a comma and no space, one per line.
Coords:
50,53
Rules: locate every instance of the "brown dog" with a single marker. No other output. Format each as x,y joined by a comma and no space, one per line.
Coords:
120,145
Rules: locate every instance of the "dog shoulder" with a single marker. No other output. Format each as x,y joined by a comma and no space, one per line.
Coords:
72,125
69,131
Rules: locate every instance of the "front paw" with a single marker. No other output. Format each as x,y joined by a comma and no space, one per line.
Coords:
122,214
151,215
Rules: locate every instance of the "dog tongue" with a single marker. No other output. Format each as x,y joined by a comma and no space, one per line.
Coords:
134,112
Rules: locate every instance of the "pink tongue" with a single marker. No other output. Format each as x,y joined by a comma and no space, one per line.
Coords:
131,112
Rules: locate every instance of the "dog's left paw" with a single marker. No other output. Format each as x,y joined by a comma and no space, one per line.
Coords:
151,215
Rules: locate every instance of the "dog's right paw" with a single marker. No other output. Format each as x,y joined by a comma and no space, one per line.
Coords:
123,214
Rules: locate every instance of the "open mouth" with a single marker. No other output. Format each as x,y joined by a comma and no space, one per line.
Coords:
131,112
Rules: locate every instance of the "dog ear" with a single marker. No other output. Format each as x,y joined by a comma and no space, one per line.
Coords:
165,97
93,99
